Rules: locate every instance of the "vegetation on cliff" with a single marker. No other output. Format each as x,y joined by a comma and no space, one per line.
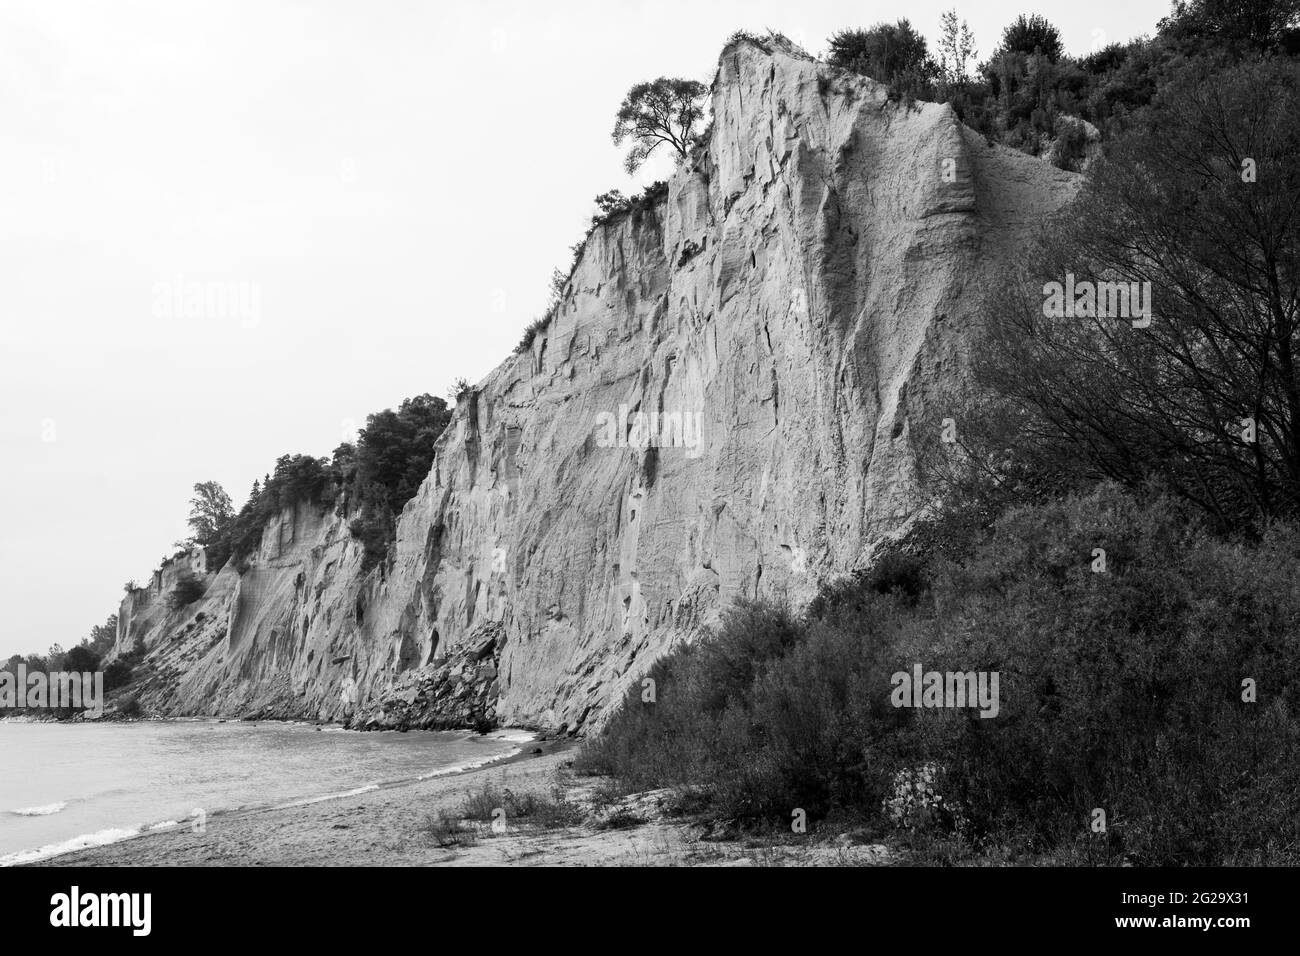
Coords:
1120,690
84,657
1115,523
1028,91
369,480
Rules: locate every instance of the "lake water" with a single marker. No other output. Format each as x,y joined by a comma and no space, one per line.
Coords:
68,786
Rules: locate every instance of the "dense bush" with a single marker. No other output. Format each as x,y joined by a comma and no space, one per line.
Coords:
891,53
1194,389
375,528
187,590
533,329
371,479
1119,690
296,478
1026,85
1032,34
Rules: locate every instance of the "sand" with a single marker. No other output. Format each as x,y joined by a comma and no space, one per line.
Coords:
388,827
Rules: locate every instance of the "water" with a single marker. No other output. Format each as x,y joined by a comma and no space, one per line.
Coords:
68,786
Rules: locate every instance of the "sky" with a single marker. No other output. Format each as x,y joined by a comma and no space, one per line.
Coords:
231,230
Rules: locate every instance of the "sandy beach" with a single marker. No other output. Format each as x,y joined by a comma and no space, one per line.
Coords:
389,827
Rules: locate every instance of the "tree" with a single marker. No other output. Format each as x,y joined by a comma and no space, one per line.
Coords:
663,111
1241,24
210,512
395,448
1201,201
956,48
891,53
102,637
610,203
81,659
1032,34
391,458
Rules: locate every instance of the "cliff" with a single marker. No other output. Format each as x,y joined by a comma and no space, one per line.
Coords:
723,405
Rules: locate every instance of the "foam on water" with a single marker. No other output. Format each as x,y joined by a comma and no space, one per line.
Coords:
44,811
84,842
120,780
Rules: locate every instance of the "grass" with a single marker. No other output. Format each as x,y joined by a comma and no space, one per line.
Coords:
551,811
445,829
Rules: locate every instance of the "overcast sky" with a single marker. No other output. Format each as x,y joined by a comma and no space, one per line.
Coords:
382,188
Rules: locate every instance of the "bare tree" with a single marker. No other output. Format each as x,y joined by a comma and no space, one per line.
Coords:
1203,204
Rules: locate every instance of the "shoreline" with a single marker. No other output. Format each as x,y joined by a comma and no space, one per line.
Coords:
523,743
227,830
406,824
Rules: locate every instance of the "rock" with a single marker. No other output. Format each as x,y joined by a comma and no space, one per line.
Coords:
796,304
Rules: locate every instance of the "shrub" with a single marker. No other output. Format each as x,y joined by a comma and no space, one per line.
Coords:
117,674
1120,690
548,812
1070,147
609,204
81,659
188,589
535,328
894,54
374,529
445,829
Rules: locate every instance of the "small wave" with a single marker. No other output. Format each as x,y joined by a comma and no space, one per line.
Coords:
83,842
42,811
307,801
473,764
513,735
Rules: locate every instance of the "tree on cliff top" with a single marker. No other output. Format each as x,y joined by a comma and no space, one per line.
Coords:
956,48
395,449
1239,25
663,111
392,456
891,53
1201,206
1029,35
211,512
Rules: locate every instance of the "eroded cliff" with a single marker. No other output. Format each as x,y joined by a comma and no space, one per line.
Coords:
776,327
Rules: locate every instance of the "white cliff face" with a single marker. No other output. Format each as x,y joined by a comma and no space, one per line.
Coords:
799,305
